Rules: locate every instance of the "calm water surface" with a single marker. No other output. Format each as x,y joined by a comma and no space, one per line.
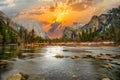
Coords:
46,66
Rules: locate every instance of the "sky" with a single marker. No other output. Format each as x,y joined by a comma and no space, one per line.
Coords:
74,10
47,12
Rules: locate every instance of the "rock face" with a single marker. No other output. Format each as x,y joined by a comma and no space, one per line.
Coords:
99,22
94,23
67,33
72,32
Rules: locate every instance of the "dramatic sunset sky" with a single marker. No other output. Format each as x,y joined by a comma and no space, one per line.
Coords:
47,12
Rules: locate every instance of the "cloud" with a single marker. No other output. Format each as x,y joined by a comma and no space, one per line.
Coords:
80,5
6,4
82,10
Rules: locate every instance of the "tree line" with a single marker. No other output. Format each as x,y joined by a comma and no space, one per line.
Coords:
9,35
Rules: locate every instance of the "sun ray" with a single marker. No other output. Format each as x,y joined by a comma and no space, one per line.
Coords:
61,11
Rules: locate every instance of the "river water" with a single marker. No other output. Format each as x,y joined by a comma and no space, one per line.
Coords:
44,66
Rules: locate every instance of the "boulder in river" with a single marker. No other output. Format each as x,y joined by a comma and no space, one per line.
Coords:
74,57
109,54
106,66
105,58
99,55
116,56
116,62
110,59
42,79
105,79
88,55
74,76
102,58
59,56
18,76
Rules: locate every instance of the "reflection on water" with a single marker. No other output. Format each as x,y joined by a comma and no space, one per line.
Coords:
51,68
8,52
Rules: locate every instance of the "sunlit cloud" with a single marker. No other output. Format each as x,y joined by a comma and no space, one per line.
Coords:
6,4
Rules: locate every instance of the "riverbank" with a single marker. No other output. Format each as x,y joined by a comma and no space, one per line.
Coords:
94,44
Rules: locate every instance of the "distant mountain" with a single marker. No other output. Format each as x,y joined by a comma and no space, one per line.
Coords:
55,31
73,31
104,20
100,23
32,24
7,20
54,26
25,24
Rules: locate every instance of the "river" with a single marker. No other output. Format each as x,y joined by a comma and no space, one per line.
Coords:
45,66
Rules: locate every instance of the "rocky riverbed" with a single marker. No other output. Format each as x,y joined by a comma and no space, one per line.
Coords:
64,63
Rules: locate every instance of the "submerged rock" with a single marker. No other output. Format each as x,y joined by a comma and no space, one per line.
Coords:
74,76
77,69
105,79
18,76
106,66
59,56
74,57
88,55
99,55
65,50
116,56
110,59
104,58
14,77
109,54
116,62
42,79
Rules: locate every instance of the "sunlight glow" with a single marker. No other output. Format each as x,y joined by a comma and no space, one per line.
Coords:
61,11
